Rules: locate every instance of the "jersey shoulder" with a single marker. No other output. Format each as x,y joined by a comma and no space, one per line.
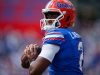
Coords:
69,33
54,37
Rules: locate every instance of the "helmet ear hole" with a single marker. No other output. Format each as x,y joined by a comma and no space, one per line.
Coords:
68,18
57,24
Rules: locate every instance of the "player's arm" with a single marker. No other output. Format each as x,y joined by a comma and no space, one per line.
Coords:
38,67
30,53
44,59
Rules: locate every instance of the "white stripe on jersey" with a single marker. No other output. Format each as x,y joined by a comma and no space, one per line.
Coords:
54,36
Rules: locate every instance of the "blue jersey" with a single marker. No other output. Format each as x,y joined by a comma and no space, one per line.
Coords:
68,61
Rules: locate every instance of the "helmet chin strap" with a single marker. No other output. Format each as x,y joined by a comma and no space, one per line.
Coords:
48,27
55,25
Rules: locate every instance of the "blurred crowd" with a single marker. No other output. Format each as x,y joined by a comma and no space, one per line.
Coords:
88,25
13,42
91,38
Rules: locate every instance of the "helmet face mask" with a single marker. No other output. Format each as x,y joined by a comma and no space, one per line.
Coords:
51,19
47,25
58,14
51,15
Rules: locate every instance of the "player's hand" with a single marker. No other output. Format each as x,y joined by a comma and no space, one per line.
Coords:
25,63
30,54
31,51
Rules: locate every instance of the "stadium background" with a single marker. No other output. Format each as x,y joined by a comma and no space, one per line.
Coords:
19,26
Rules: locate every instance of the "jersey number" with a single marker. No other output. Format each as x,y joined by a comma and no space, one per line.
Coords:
80,49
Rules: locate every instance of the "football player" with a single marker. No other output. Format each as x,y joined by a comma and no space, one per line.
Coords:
62,48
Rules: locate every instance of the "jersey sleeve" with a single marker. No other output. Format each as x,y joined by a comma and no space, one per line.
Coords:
49,51
54,37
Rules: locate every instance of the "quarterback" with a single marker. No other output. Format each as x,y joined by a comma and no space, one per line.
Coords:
62,48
